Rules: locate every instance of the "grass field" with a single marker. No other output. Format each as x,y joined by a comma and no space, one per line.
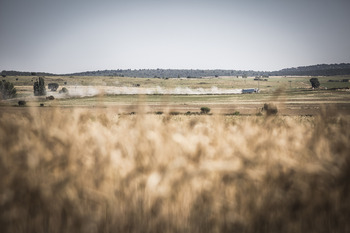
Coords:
93,170
86,164
293,95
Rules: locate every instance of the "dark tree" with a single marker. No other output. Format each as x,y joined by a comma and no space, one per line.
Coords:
205,110
270,109
315,83
39,87
53,86
7,90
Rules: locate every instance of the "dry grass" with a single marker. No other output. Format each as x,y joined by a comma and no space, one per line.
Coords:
79,171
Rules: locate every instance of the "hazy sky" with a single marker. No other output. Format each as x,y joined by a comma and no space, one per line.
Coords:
64,36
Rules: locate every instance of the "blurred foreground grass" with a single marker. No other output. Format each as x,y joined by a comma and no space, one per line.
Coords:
81,171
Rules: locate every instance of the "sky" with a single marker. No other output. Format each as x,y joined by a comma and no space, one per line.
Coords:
68,36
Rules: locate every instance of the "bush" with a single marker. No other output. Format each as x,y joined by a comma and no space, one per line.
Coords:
315,83
174,113
205,110
22,103
53,86
63,91
270,109
7,90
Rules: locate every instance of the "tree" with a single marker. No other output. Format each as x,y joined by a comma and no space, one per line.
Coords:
39,87
270,109
63,91
53,86
7,90
315,83
205,110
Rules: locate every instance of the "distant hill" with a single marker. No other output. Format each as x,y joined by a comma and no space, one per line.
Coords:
314,70
167,73
22,73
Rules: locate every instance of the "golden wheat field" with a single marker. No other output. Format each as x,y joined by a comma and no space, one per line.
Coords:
71,170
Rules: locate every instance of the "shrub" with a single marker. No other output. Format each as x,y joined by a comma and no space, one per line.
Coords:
205,110
22,103
63,91
53,86
315,83
7,90
270,109
174,113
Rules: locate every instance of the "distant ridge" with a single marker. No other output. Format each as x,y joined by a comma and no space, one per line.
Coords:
317,70
314,70
25,73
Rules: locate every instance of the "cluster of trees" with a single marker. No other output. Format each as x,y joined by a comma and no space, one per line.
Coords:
7,90
168,73
39,87
53,86
315,70
5,73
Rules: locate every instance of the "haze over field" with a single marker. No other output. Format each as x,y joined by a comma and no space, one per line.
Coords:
74,36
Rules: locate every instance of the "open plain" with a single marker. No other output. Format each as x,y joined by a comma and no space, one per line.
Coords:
292,95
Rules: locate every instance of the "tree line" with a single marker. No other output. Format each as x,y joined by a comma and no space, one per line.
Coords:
315,70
